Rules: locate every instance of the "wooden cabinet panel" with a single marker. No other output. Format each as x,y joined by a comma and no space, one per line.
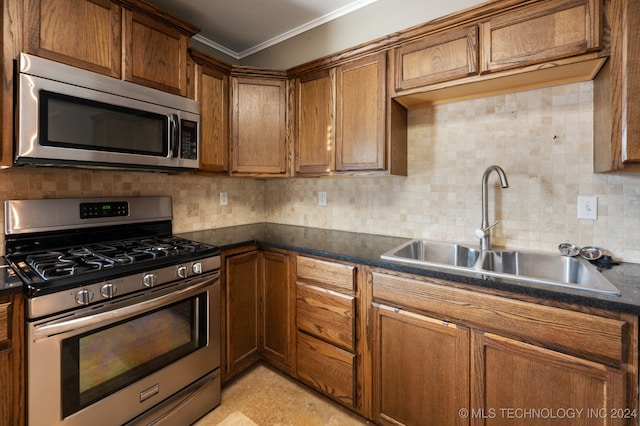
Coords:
241,305
259,140
327,315
421,369
542,32
361,113
442,57
82,33
582,334
155,54
326,273
276,309
617,93
12,353
326,368
212,91
315,141
513,374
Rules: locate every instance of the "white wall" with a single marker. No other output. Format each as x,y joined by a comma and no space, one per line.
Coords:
378,19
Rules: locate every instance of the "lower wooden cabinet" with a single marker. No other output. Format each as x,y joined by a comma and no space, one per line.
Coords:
421,369
327,368
276,309
497,365
240,318
509,375
404,350
258,310
327,324
12,368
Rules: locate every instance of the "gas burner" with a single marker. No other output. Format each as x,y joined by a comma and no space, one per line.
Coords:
58,264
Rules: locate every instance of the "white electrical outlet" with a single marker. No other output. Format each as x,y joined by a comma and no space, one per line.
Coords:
322,198
588,208
223,199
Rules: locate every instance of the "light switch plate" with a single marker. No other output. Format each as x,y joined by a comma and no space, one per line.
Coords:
322,198
588,208
223,199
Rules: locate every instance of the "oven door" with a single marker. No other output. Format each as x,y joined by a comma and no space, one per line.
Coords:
109,364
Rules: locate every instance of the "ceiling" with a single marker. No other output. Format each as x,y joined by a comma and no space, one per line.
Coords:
239,28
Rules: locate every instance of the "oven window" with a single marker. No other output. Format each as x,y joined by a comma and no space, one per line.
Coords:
70,122
100,362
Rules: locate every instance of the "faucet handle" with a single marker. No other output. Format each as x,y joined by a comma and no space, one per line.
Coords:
480,233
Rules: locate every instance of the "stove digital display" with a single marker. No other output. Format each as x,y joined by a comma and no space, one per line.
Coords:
99,210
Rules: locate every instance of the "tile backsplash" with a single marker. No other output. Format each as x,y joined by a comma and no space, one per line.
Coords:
542,138
195,199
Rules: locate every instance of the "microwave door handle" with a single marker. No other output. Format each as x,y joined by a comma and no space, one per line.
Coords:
174,130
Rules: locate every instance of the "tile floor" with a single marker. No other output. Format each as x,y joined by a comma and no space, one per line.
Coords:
266,397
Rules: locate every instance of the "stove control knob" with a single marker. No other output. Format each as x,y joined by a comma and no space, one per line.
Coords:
197,268
108,290
84,296
182,272
149,280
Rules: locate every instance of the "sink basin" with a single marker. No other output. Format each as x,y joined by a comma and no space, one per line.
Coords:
434,253
515,265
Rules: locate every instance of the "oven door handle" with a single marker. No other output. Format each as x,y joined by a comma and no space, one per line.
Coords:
92,320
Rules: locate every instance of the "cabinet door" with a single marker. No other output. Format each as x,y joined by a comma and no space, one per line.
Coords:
421,369
259,125
12,374
213,94
542,32
82,33
510,375
446,56
155,54
276,309
315,138
241,302
360,115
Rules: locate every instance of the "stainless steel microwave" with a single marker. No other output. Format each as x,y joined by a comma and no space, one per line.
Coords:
66,116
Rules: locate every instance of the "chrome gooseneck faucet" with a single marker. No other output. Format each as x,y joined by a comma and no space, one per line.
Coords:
484,233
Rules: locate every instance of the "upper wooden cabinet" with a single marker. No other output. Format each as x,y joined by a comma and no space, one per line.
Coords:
315,137
259,124
542,32
617,92
436,58
211,89
83,33
360,114
155,53
498,47
346,123
127,39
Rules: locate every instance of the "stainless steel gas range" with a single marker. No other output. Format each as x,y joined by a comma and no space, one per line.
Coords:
123,318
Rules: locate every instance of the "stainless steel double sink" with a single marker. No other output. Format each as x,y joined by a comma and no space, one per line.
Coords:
514,265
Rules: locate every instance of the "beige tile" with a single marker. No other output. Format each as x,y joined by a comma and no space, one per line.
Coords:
267,397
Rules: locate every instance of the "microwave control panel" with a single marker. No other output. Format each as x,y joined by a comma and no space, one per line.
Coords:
189,139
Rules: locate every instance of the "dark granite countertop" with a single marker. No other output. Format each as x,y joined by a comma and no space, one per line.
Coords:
366,249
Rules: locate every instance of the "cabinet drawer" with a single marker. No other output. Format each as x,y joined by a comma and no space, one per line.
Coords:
327,315
330,273
327,368
542,32
586,335
434,59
